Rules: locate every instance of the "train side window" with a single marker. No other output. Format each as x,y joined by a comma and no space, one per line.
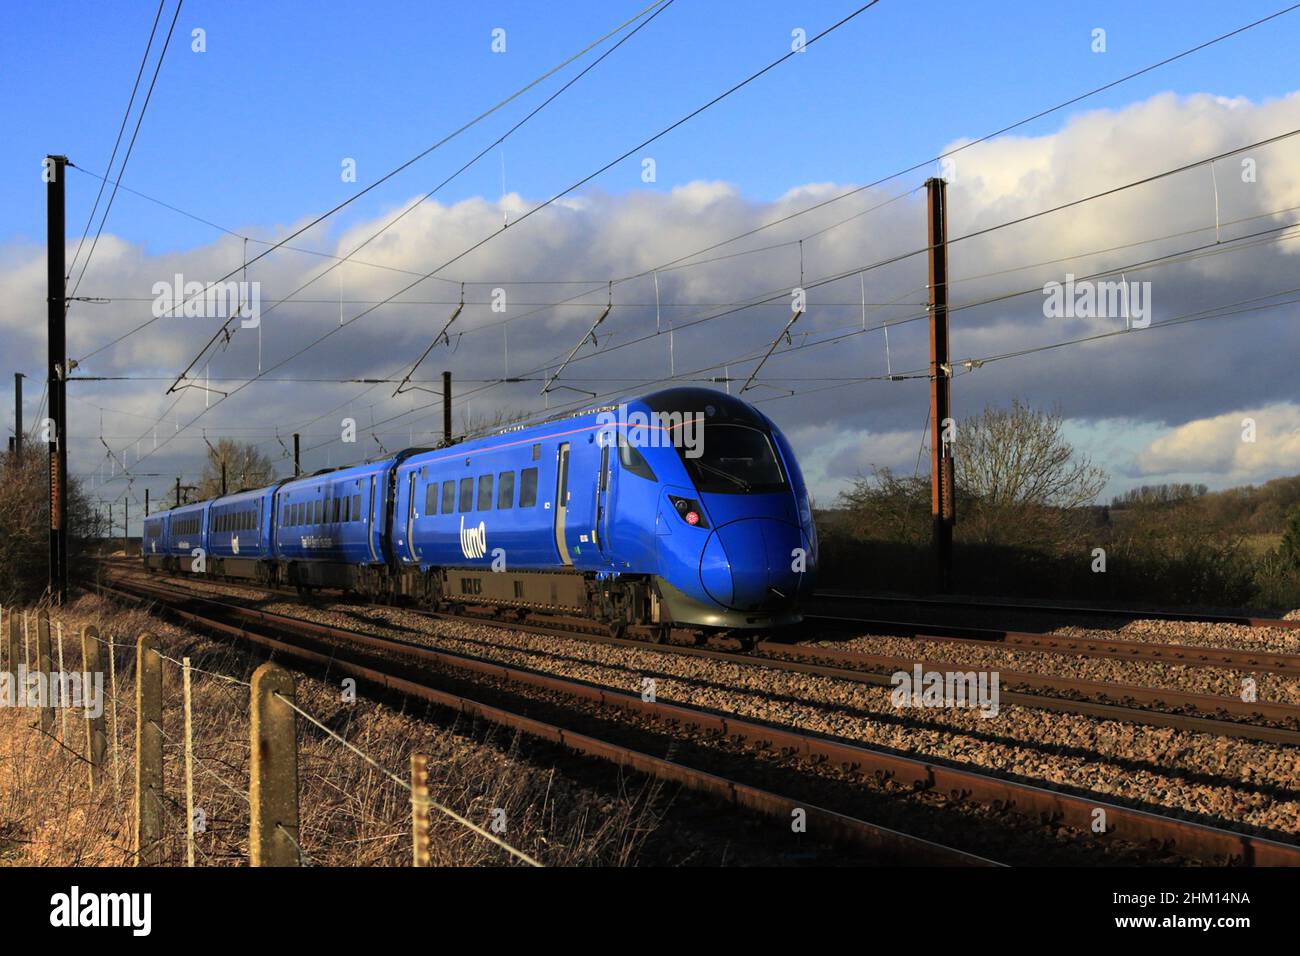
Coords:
356,507
537,452
466,502
528,488
338,504
485,492
506,489
448,497
347,510
317,511
431,499
633,461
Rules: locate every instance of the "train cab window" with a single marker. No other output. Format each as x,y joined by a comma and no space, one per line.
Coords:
528,488
485,492
448,497
431,499
356,507
506,489
466,502
633,461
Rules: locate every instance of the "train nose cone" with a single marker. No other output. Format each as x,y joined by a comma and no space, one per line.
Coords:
749,563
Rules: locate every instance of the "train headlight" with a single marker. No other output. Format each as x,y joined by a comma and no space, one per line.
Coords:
689,511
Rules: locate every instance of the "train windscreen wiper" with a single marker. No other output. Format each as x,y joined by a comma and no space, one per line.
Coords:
744,485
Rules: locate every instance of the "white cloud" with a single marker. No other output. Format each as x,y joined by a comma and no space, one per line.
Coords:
1181,377
1243,445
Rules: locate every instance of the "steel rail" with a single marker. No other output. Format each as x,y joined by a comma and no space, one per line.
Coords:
892,845
1210,710
1189,655
1188,838
1078,610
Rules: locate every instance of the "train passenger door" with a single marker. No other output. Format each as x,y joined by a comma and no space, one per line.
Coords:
373,523
410,517
562,502
600,522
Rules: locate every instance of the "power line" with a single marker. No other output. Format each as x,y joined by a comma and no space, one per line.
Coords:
118,142
162,55
478,156
389,175
856,190
663,132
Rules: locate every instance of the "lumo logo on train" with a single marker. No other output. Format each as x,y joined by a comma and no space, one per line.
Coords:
684,430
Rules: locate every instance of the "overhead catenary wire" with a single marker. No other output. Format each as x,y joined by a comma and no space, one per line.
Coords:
554,198
126,115
1137,73
410,162
126,158
821,204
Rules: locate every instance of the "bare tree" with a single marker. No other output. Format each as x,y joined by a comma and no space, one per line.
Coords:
884,506
1020,474
475,424
25,525
246,467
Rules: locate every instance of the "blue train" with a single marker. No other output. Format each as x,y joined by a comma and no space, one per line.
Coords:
681,509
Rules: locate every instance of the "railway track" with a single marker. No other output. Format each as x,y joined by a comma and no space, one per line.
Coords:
1189,655
1264,721
1056,610
370,658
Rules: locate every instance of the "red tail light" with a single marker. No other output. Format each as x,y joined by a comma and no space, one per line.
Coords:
689,511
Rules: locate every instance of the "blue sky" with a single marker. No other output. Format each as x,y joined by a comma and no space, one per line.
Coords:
251,134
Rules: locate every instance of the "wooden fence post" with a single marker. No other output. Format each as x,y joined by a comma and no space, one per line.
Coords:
96,739
273,784
46,669
148,752
420,808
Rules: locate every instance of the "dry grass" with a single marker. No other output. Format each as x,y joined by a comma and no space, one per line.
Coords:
351,813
